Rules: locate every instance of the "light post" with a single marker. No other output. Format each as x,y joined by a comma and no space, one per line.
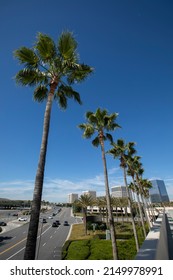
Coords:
39,239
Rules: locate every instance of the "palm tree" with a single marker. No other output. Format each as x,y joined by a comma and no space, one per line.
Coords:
84,201
52,69
136,170
101,204
98,123
122,151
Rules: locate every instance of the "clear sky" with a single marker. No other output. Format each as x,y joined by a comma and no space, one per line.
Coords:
130,45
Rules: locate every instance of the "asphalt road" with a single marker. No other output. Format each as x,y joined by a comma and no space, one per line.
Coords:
49,240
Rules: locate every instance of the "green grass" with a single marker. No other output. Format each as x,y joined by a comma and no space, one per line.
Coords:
93,246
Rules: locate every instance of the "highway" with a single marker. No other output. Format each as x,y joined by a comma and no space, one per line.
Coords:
49,240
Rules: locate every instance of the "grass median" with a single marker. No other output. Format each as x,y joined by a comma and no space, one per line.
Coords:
94,245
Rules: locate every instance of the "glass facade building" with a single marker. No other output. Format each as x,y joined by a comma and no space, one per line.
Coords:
158,192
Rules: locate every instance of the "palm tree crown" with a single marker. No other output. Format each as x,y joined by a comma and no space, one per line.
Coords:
48,64
99,122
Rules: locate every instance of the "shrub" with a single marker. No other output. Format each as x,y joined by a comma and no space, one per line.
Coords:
126,249
100,250
78,250
65,249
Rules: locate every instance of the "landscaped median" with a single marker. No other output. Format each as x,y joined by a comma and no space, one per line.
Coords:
94,245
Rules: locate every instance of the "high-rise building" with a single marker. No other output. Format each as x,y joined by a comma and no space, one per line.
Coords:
72,197
119,191
91,193
158,192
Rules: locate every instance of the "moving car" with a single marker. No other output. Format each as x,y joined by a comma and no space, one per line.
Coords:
58,222
54,224
22,219
3,224
44,221
66,223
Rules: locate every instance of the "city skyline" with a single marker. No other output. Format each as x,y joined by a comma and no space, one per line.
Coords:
130,48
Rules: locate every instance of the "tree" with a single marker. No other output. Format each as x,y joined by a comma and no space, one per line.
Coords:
84,201
98,123
123,151
52,69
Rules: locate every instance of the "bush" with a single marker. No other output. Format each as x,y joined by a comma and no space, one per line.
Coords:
65,249
78,250
100,250
126,249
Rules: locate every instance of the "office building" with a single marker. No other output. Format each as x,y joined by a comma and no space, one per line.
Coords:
158,192
72,197
119,191
91,193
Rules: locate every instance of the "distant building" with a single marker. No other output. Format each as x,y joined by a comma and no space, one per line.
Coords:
119,191
91,193
72,197
158,192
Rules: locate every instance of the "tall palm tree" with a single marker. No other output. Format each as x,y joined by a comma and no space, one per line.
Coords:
98,123
52,69
122,151
136,170
84,201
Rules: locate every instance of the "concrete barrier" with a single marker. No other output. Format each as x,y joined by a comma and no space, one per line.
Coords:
158,244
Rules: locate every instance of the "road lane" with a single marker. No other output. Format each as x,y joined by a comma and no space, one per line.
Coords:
49,241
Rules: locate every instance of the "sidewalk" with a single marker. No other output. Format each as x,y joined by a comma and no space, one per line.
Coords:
12,225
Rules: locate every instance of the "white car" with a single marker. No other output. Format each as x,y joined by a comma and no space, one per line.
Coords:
22,219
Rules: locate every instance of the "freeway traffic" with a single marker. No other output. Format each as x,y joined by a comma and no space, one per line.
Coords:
49,240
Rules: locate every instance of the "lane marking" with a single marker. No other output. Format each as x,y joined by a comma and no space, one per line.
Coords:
16,253
19,243
13,246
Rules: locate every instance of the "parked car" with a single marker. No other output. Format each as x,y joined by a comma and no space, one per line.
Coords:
22,219
66,223
3,224
54,224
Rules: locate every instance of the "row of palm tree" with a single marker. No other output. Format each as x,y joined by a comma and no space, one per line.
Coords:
100,123
52,69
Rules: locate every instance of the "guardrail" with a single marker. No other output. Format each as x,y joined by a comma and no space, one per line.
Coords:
158,244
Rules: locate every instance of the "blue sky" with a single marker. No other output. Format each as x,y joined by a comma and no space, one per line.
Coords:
130,46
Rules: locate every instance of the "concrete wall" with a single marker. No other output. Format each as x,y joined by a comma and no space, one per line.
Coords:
158,244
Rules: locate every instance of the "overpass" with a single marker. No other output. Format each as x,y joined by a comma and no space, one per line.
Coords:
158,244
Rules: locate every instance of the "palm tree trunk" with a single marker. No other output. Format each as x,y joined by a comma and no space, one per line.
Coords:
130,207
30,249
85,220
110,214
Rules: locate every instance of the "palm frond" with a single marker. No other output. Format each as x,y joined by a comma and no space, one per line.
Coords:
67,46
40,93
88,130
46,47
70,93
96,142
78,73
30,77
61,98
27,57
65,92
109,137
